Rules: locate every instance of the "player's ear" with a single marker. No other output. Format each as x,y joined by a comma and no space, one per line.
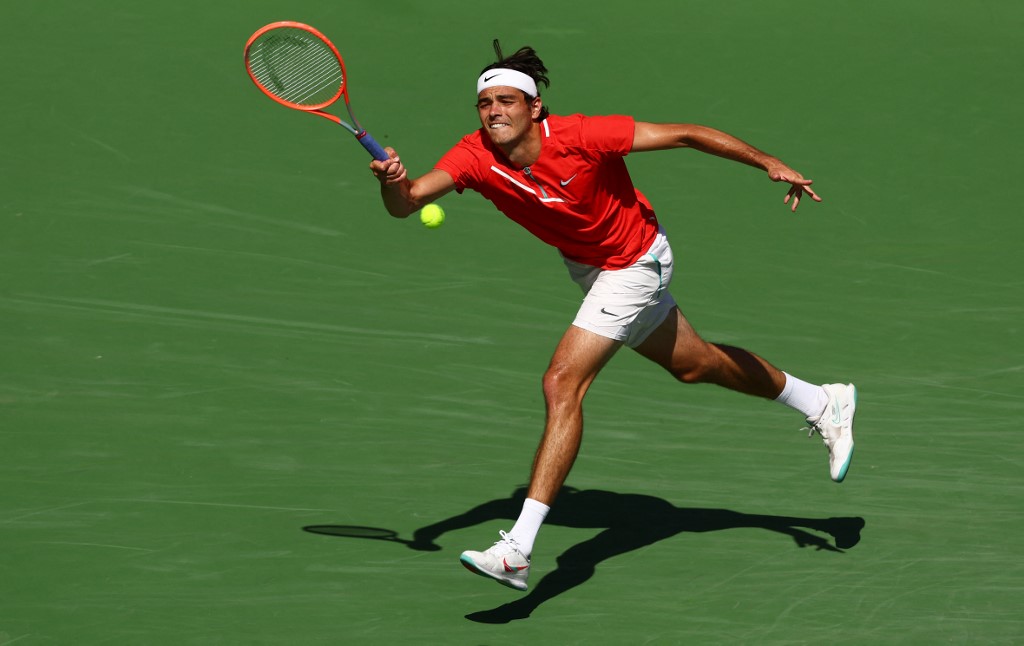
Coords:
535,107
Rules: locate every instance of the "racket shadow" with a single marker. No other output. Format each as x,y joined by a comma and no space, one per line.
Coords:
628,522
372,533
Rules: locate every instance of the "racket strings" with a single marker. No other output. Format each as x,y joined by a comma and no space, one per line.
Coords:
296,66
300,71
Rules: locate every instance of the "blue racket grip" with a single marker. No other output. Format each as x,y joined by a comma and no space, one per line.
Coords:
372,147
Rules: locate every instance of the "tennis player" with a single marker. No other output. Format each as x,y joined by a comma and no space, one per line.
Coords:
564,179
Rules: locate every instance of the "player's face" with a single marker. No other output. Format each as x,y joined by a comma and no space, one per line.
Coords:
506,115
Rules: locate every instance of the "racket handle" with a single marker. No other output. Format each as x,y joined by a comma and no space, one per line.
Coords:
371,146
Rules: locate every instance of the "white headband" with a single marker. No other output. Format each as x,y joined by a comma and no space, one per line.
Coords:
506,77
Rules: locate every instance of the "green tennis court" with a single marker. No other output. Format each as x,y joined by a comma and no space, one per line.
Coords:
219,352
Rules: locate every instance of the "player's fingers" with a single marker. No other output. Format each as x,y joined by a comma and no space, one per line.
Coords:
789,194
395,174
389,171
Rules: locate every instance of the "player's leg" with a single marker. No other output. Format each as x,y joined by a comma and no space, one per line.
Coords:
676,346
577,360
613,300
829,409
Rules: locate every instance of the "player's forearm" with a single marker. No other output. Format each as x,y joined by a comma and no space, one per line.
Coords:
721,144
403,196
398,198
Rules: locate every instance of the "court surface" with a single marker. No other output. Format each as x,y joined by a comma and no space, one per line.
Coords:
219,351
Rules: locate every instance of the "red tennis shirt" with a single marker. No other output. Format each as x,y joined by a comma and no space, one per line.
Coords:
578,195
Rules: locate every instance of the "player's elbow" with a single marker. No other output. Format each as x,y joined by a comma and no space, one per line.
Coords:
399,204
399,211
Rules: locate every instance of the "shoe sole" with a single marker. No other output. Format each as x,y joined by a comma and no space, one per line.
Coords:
849,456
470,565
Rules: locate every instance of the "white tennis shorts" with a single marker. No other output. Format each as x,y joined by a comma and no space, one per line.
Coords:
626,304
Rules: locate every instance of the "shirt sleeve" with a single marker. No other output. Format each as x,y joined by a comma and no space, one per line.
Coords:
609,134
460,164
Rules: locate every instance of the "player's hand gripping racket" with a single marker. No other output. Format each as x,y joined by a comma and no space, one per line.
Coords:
298,67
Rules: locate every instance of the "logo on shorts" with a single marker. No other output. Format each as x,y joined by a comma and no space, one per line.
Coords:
604,311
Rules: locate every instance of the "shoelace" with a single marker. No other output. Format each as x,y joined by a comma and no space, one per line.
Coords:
812,429
507,542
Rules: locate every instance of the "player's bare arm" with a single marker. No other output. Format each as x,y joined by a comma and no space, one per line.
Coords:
403,196
665,136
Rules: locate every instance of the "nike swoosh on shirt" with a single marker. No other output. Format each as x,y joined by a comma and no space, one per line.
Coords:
565,182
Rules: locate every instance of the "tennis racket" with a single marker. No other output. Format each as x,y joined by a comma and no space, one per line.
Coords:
297,66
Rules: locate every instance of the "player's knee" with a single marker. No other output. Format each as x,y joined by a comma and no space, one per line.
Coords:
560,384
693,369
689,374
554,383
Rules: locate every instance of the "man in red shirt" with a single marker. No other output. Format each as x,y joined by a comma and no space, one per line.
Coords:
564,179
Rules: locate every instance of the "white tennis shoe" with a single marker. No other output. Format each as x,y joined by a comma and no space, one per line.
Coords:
502,562
835,425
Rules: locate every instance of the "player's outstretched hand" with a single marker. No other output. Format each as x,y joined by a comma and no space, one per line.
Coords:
391,171
782,173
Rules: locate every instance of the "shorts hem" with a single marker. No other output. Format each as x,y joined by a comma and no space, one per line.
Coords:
621,335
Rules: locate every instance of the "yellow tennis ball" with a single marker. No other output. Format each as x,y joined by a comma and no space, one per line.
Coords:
432,216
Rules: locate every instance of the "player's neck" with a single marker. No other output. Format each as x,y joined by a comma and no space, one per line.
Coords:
525,151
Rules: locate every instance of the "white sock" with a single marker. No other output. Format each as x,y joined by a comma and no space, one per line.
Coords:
802,396
530,519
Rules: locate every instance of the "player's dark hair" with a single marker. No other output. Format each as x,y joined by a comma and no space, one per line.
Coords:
525,60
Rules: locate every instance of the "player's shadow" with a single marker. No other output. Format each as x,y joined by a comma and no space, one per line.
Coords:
629,522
